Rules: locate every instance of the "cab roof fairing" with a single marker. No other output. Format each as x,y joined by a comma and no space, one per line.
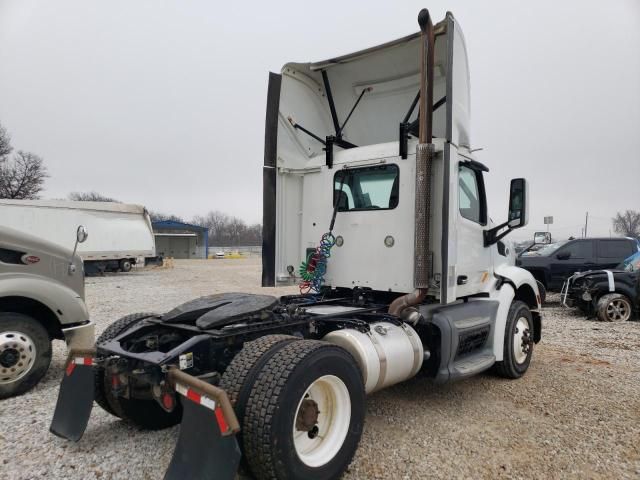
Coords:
390,70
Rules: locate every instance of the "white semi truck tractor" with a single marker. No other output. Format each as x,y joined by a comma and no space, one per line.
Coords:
376,207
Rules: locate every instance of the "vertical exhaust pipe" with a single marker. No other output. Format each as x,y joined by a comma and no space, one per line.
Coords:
425,152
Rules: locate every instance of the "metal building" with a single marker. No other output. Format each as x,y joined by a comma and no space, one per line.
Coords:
180,240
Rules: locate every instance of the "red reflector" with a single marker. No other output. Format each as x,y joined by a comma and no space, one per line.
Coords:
115,381
31,259
70,368
222,423
191,395
167,401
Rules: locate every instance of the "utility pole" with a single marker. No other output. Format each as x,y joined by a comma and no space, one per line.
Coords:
586,222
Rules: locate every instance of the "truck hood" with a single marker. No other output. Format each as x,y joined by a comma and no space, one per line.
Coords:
52,263
29,242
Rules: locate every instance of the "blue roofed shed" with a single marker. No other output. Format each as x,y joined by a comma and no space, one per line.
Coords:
180,240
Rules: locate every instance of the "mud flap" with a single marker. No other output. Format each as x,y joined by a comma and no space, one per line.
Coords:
207,447
75,399
202,452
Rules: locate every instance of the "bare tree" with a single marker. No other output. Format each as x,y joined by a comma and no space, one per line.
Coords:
162,217
225,230
22,177
5,143
91,197
217,223
236,230
627,223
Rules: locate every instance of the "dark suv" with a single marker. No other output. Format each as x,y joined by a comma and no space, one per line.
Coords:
553,264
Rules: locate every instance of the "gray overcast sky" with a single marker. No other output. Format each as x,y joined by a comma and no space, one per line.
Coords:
163,103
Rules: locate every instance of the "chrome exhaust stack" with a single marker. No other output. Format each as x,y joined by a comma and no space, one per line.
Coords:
425,152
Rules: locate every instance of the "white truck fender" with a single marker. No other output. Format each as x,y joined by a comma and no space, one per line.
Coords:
67,305
504,296
518,277
518,284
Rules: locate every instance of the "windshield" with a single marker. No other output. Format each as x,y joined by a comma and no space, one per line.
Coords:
550,249
630,264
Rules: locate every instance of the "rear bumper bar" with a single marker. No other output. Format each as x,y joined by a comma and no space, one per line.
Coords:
226,416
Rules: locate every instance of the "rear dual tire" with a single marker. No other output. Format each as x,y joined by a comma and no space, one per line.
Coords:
301,408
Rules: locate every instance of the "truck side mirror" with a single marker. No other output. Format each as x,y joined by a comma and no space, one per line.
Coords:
563,256
518,212
518,204
542,238
82,234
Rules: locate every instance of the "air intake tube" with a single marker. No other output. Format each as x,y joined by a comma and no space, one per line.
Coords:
425,152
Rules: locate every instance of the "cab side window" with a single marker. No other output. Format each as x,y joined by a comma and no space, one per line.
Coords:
367,188
614,248
471,195
578,249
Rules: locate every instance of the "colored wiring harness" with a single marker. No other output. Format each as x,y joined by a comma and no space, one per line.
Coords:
312,271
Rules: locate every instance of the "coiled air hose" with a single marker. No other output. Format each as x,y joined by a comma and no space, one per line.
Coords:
312,270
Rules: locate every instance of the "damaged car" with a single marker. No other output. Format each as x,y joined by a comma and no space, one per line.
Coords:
610,295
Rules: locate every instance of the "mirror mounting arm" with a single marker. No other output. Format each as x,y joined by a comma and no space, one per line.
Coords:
492,236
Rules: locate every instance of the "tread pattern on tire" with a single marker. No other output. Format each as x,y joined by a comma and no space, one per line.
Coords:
234,378
110,333
263,402
505,368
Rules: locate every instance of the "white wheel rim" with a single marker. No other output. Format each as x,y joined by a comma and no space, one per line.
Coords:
618,311
17,354
520,340
334,405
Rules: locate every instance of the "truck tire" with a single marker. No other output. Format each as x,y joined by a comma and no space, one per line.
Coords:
125,265
614,307
305,414
240,375
542,290
101,389
518,342
25,353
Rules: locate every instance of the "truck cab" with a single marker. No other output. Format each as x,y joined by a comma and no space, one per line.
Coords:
41,300
343,133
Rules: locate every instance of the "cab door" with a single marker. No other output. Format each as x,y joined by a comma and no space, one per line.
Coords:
474,259
464,258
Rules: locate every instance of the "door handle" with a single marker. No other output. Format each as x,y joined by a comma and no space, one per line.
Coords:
462,280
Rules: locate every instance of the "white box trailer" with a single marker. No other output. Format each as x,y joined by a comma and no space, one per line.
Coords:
120,235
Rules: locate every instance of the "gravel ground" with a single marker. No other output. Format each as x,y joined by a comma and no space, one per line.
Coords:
576,414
